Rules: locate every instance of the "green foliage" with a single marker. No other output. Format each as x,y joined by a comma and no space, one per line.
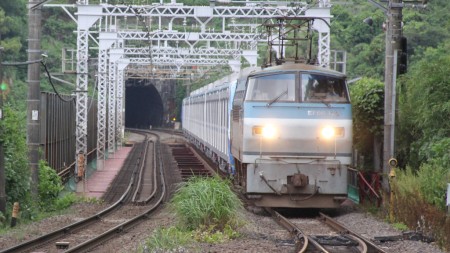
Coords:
206,201
211,76
368,109
168,239
16,159
433,180
429,183
2,220
424,103
400,226
364,44
419,198
180,93
210,234
49,187
207,210
11,45
66,201
12,34
421,25
406,182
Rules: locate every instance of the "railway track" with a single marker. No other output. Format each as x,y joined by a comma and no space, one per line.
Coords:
341,239
188,163
137,203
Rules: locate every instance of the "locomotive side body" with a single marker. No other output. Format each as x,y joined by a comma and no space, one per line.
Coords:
289,134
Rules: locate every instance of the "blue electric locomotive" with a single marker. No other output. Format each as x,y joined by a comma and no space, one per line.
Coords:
283,132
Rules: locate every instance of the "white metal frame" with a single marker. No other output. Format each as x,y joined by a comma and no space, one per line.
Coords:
110,70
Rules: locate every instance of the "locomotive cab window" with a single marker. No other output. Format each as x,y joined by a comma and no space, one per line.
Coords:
268,88
321,88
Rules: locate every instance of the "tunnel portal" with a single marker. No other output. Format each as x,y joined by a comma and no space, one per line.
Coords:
143,105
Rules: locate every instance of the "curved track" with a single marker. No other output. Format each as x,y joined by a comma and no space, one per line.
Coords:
120,216
345,241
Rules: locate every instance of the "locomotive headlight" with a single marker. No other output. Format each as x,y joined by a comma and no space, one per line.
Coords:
332,132
328,132
267,132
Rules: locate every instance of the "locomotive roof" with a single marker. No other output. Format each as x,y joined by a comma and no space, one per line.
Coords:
298,67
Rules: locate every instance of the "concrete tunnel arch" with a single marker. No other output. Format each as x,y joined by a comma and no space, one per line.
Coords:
143,105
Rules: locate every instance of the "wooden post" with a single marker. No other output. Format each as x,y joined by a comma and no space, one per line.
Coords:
15,212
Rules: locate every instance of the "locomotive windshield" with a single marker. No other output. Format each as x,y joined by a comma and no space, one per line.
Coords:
320,88
313,88
271,88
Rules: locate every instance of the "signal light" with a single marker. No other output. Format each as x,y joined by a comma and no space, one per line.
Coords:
402,65
3,87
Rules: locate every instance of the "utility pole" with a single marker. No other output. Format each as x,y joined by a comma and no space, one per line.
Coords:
2,154
34,91
393,38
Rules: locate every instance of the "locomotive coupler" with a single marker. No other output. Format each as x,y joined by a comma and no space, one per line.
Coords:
298,180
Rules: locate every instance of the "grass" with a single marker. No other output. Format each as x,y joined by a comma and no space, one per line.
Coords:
400,226
206,202
61,207
169,239
207,211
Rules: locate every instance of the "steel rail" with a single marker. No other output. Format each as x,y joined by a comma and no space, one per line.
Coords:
34,243
92,243
370,246
151,196
141,171
291,228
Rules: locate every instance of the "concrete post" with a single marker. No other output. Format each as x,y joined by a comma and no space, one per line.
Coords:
393,37
34,92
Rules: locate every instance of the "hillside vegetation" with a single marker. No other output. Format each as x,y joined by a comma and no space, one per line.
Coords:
423,128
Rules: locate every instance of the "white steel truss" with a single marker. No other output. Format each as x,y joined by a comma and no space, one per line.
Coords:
190,37
179,61
167,51
84,23
173,10
106,41
239,39
120,126
101,105
82,98
112,104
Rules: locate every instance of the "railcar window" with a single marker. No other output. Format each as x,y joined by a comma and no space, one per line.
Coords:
320,88
279,87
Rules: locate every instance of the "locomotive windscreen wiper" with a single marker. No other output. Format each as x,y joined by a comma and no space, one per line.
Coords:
277,98
325,102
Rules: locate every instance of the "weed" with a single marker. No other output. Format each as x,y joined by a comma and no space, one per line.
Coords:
206,202
207,210
168,239
400,226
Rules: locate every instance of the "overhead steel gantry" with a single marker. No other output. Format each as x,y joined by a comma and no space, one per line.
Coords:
156,41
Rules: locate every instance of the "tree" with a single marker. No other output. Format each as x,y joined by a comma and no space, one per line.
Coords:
368,109
364,43
16,161
424,101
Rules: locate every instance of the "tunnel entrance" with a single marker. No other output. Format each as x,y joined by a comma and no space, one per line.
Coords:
143,105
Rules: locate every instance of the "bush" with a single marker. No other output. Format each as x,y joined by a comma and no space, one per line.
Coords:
206,201
420,200
66,201
429,183
433,180
49,187
207,210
